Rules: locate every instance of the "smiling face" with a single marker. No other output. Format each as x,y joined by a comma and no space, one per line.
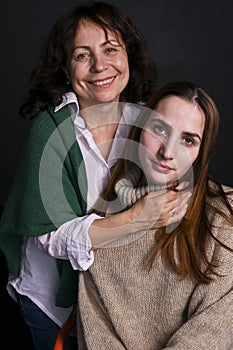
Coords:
171,139
98,69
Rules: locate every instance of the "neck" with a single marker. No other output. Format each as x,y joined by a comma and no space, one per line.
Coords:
102,121
102,114
144,182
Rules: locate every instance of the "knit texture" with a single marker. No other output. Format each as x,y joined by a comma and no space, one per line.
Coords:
46,193
128,192
122,305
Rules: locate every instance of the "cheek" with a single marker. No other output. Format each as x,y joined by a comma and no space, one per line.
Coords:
185,160
149,141
193,154
121,64
77,72
148,147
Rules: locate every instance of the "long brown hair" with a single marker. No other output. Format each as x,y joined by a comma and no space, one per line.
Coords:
192,234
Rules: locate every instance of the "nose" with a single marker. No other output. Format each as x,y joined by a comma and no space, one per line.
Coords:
166,150
99,63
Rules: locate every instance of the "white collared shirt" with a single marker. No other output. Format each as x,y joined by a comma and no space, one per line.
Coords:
39,278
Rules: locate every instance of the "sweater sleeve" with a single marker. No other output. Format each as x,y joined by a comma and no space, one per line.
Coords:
49,188
209,322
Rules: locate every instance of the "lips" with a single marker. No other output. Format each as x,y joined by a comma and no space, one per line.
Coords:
163,168
102,82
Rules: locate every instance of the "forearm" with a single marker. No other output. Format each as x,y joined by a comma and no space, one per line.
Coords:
152,211
111,228
70,242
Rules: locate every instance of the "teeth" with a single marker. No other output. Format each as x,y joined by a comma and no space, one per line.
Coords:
102,82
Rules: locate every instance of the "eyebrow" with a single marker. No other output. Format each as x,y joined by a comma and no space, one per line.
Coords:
192,134
169,127
156,119
112,42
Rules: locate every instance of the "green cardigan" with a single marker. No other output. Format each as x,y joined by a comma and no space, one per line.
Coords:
49,189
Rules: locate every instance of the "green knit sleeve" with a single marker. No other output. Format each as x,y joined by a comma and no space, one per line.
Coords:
49,187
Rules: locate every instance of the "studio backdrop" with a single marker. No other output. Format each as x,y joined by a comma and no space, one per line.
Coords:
189,40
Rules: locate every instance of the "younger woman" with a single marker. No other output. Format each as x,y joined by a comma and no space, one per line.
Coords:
167,288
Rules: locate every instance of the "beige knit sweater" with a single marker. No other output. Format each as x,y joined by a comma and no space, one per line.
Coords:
122,306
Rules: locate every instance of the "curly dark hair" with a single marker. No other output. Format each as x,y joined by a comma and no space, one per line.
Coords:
48,79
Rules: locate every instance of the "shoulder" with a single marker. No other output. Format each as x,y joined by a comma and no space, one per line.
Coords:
219,193
46,122
220,213
51,117
228,190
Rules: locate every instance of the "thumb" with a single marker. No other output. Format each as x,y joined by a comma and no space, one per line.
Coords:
182,186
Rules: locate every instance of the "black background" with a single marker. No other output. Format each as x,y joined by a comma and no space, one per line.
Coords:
189,40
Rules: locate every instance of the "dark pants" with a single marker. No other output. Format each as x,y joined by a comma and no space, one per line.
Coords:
43,330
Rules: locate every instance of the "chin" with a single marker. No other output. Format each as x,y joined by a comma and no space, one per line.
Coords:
162,181
156,181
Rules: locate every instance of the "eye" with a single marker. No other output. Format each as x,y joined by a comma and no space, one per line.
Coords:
111,50
81,56
159,129
188,141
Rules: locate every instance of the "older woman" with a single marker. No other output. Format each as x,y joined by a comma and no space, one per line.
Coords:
93,60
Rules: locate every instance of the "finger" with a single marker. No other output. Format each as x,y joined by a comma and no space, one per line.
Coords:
181,199
182,186
176,218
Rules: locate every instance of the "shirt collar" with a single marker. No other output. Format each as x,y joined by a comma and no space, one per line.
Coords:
68,98
71,100
130,111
